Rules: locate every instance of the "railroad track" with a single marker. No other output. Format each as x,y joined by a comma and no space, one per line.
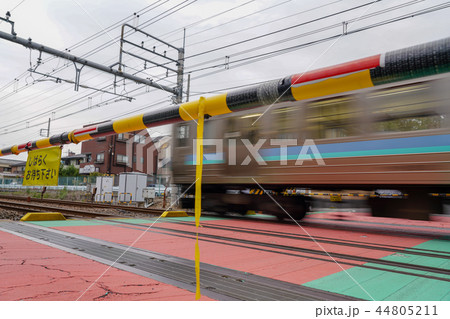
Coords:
417,270
151,211
26,208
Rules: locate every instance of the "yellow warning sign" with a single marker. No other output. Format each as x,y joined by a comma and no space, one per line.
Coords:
336,198
42,167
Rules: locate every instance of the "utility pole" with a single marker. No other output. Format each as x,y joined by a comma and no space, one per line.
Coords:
45,132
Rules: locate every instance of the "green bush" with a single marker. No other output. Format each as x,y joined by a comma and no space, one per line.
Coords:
63,194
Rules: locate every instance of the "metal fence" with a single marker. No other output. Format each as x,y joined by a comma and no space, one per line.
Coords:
70,183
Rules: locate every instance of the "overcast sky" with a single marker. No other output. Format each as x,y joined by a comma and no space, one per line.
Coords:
31,99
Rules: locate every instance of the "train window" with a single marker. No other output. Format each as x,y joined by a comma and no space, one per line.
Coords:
210,129
332,118
285,125
406,108
250,127
410,123
182,134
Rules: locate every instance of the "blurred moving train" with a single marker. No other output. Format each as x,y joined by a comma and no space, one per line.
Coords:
392,136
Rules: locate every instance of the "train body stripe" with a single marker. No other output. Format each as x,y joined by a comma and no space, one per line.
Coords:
344,68
398,151
338,84
395,146
130,124
392,145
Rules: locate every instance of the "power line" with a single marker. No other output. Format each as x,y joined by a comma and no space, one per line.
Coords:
281,30
289,49
168,11
94,36
117,23
259,25
273,32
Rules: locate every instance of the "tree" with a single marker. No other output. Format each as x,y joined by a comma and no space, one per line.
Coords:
68,171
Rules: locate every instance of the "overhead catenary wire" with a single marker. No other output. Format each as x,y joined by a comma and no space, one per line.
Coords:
100,47
293,48
179,8
301,25
81,42
34,115
289,28
95,36
296,47
166,11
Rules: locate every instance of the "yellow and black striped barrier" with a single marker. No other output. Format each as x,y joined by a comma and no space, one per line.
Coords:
124,196
104,197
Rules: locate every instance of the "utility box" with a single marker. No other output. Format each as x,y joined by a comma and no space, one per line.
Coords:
104,185
174,194
131,186
149,192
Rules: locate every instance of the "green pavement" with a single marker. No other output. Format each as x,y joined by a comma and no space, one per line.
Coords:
375,284
113,221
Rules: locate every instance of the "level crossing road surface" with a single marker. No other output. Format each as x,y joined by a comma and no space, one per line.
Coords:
330,255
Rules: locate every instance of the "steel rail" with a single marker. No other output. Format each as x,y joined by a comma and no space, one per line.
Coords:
29,208
85,204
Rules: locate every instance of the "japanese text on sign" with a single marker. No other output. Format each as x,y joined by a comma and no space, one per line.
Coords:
43,167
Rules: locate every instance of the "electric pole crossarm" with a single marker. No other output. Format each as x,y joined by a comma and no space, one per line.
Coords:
75,59
150,51
151,36
144,59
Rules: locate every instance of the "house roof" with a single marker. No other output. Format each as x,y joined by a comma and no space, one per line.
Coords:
20,163
76,156
9,162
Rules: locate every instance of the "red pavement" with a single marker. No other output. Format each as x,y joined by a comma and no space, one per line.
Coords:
438,222
293,269
32,271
